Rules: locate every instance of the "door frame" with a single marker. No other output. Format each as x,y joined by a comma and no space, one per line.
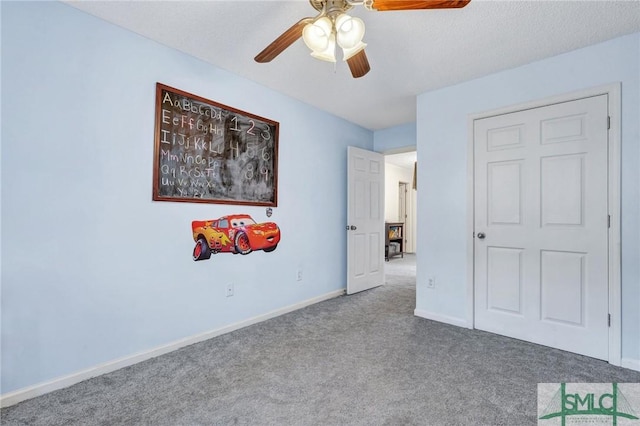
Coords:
613,91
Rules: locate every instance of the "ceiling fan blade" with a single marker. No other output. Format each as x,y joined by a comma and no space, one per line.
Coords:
384,5
358,64
285,40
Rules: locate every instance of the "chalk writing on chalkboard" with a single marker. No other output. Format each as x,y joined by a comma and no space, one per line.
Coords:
206,152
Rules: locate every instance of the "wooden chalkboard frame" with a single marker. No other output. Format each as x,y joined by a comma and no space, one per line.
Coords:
208,152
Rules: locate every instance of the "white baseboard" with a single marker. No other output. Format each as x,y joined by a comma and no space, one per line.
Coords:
630,363
20,395
441,318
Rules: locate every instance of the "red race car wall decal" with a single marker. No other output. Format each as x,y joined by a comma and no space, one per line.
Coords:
237,233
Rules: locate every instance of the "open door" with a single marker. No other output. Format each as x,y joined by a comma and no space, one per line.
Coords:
365,220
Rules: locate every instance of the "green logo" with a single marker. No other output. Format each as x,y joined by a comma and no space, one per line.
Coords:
563,404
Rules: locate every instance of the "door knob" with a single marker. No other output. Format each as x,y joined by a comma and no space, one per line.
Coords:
353,228
481,235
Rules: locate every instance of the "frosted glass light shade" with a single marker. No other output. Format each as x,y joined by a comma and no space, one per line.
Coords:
349,31
328,54
317,34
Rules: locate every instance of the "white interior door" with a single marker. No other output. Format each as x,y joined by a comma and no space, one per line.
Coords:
541,225
365,220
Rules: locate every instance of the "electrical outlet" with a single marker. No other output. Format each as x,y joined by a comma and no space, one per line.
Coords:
431,282
299,275
229,289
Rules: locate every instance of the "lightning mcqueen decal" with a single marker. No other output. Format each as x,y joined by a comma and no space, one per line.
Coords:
234,234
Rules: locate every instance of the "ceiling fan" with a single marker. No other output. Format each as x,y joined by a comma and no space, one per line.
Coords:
332,25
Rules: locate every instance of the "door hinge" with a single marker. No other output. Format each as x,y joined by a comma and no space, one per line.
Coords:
608,122
608,221
609,320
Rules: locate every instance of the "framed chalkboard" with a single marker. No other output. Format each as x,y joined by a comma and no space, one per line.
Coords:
206,152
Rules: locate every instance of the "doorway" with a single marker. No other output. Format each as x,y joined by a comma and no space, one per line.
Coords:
400,207
400,195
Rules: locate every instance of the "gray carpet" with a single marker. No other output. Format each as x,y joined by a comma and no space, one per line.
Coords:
354,360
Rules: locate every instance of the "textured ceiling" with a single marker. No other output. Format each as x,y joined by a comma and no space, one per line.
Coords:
410,52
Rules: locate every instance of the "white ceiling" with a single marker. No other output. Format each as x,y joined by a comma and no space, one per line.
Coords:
404,159
410,52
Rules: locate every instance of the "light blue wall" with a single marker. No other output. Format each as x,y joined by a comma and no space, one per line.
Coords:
394,139
93,270
442,130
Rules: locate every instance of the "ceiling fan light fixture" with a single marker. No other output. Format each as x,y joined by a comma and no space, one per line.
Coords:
329,53
332,25
317,35
349,31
